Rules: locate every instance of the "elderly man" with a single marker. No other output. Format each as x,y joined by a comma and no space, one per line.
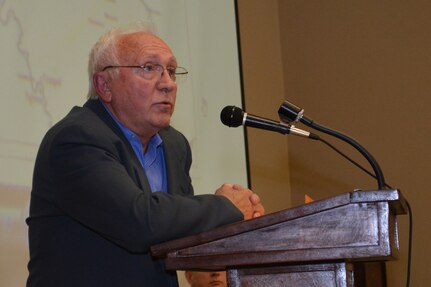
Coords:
206,279
112,177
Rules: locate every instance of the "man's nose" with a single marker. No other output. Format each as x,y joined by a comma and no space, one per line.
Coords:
165,81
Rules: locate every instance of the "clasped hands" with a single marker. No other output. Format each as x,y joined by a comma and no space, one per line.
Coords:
243,198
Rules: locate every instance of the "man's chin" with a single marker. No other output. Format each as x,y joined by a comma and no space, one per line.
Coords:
164,122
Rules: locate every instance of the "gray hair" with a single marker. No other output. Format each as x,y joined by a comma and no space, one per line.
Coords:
105,52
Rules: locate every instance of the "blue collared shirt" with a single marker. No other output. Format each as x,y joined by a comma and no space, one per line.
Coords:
152,161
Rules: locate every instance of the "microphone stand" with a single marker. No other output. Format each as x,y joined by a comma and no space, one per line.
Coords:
289,112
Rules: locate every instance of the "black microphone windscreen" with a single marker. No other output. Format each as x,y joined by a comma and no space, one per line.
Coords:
231,116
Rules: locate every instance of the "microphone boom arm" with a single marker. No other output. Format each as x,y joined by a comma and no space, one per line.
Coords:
377,170
289,113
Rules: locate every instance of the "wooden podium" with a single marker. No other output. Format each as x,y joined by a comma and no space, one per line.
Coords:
317,244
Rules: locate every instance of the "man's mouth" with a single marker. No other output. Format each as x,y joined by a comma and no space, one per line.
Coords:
164,106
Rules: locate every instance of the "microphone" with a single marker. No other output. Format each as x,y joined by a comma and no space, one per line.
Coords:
289,113
232,116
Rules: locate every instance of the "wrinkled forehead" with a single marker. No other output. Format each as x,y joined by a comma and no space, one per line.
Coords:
136,47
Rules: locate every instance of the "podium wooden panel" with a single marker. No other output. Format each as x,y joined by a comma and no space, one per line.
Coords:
318,243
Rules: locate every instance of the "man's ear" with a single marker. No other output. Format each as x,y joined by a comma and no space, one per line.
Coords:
100,83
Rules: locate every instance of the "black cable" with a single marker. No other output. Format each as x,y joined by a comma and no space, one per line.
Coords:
377,170
351,160
409,255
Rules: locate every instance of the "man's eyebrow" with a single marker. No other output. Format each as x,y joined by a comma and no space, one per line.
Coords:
156,59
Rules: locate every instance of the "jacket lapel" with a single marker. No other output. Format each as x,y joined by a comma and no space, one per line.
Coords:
139,176
174,157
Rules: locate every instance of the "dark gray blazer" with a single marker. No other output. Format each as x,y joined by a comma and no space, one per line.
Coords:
93,216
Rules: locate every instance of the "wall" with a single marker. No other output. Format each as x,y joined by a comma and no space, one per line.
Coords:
360,67
263,89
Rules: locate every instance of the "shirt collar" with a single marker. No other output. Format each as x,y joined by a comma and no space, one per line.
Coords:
155,141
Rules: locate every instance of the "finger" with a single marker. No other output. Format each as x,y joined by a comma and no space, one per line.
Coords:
224,188
227,185
256,214
254,199
237,186
259,209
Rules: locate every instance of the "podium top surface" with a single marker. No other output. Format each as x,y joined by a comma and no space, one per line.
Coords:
393,197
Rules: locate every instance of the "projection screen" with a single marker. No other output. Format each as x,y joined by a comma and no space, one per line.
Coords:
44,54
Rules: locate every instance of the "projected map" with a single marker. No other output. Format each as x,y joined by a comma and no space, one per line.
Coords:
43,64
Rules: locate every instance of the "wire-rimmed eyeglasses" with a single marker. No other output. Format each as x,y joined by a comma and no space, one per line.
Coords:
151,70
